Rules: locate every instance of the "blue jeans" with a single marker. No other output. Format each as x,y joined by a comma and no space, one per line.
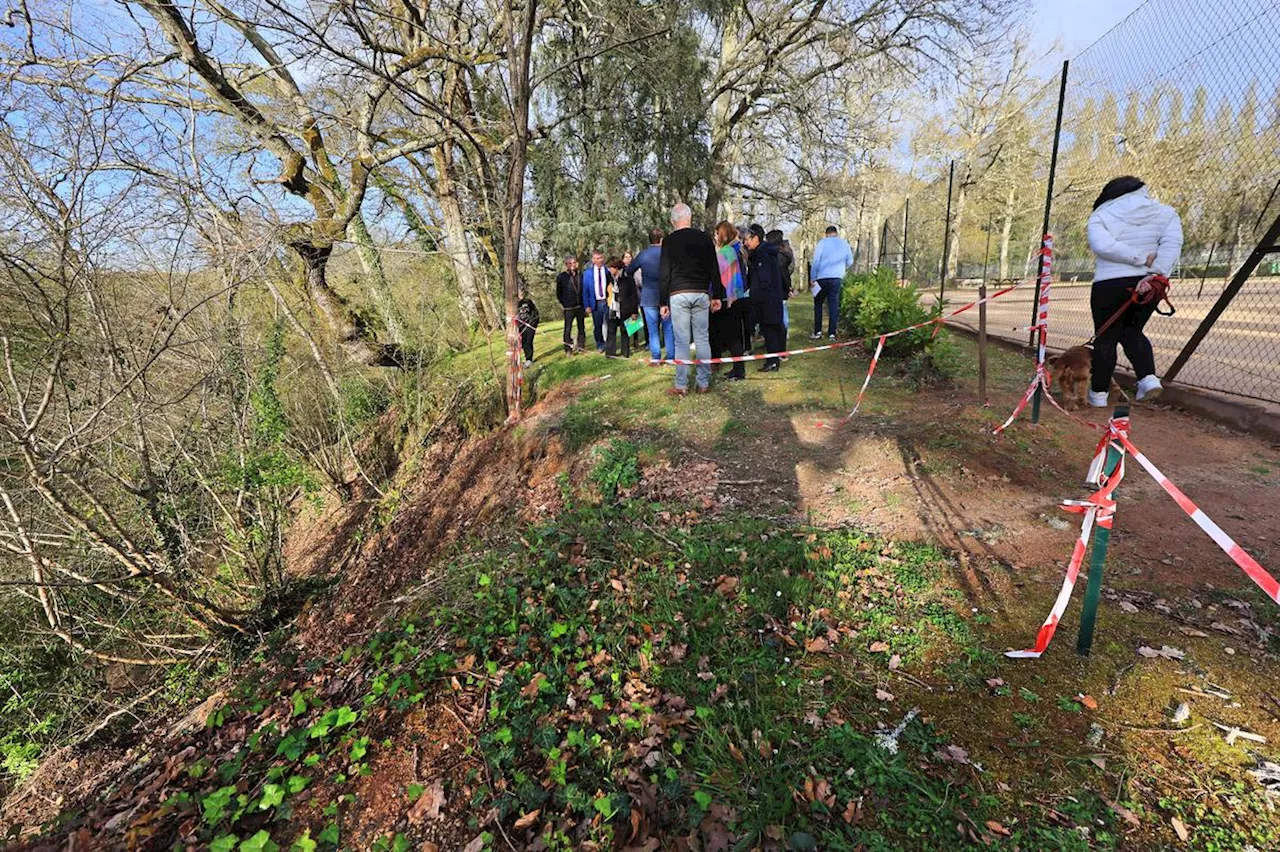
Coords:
830,294
690,321
599,322
786,317
653,319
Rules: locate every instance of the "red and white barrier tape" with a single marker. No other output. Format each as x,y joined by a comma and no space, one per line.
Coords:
1100,509
875,359
1247,563
1037,381
937,322
1041,378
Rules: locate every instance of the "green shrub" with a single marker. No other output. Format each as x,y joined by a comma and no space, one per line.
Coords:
873,304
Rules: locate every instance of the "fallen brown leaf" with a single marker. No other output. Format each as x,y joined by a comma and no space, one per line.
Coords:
895,661
429,803
1126,814
528,819
1180,829
882,695
1088,701
816,646
726,584
535,683
997,828
878,647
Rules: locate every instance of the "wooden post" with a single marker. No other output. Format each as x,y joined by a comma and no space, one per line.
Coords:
982,320
982,345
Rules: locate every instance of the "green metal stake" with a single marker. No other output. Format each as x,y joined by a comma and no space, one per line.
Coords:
1097,557
1035,405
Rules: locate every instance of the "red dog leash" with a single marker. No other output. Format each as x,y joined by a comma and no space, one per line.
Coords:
1159,292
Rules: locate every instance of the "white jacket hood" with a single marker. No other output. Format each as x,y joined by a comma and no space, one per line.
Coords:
1135,210
1125,231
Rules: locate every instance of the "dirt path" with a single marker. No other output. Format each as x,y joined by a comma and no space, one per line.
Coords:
934,471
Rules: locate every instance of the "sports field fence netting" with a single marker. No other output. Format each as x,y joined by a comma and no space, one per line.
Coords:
1184,94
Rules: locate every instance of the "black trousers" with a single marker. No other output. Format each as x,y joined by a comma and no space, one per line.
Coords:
526,341
1104,300
616,331
775,340
732,328
570,314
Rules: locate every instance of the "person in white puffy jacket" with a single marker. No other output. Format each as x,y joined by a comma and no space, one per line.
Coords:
1134,237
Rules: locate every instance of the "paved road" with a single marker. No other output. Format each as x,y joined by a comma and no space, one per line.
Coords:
1240,355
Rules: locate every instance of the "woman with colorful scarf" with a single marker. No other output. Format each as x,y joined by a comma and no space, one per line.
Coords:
731,321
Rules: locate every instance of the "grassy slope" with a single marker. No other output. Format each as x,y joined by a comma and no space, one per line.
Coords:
646,671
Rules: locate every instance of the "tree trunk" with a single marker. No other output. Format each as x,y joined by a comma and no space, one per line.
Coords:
1006,232
520,59
383,301
353,337
455,240
721,132
957,218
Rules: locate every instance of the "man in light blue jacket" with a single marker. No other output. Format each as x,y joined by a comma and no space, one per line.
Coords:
831,257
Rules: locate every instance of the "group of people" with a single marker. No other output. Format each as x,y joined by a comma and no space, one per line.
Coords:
715,292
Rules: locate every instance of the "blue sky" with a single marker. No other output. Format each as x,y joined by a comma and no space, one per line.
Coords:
1074,25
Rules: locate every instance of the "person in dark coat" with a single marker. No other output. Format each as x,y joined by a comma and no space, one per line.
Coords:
624,304
764,277
569,295
787,259
527,320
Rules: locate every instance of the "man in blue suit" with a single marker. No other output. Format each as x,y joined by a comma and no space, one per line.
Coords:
596,282
649,264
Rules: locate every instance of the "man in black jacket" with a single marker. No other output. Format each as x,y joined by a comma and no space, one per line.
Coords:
569,294
764,277
787,263
689,289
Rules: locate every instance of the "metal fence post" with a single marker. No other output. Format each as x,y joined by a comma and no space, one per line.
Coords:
946,236
1267,245
906,221
1048,206
982,319
884,241
982,343
1098,556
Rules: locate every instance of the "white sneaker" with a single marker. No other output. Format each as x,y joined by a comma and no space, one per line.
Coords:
528,363
1149,387
1098,399
815,336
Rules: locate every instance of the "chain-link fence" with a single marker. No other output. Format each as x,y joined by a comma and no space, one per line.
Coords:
1184,94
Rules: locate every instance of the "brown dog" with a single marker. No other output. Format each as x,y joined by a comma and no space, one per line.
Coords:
1071,373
